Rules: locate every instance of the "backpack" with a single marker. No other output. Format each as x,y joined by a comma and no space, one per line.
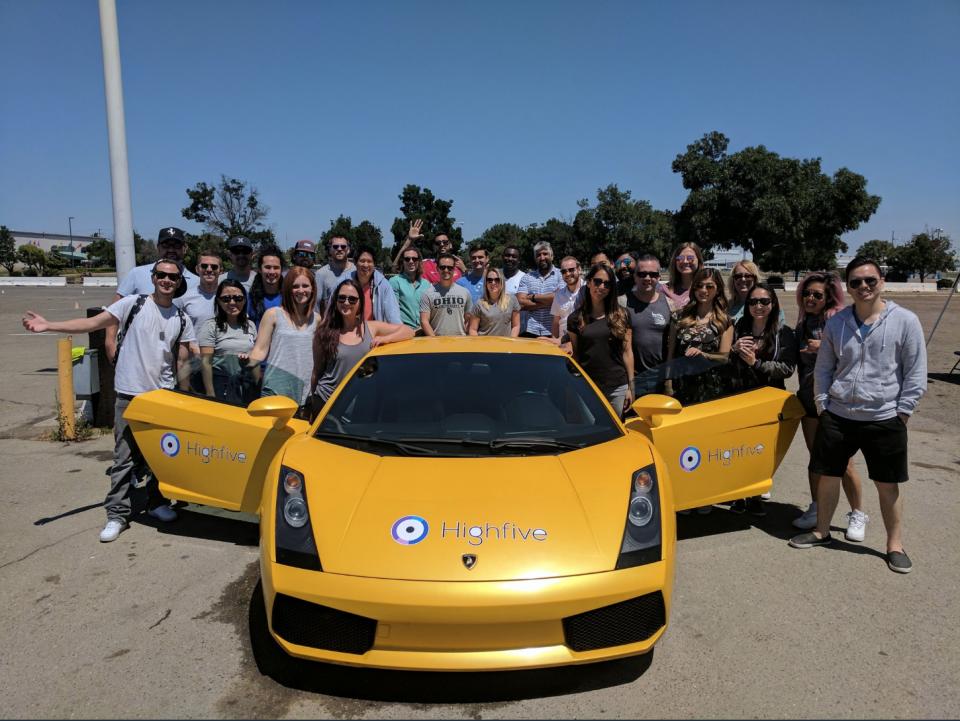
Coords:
133,314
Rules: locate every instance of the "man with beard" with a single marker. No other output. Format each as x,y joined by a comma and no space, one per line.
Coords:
304,254
536,293
649,313
241,253
337,270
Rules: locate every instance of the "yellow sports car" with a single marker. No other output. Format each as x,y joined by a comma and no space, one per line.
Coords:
465,503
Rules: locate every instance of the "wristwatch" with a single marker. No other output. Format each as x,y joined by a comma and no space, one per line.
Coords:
533,297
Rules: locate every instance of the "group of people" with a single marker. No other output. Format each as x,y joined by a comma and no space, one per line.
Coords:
264,329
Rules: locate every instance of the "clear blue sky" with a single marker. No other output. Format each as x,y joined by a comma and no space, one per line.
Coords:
512,109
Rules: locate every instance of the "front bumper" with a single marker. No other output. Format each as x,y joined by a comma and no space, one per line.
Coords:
474,626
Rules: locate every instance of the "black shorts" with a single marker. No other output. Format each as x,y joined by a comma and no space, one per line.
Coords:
883,443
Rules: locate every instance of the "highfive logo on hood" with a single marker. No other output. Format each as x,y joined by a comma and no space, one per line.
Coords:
410,530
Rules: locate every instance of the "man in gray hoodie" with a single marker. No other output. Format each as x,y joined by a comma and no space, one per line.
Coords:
871,372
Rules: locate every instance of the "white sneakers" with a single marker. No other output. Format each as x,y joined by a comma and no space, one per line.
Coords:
856,525
809,518
113,529
164,514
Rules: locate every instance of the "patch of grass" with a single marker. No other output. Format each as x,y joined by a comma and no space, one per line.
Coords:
83,431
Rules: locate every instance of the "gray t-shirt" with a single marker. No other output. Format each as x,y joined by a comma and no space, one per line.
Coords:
327,282
198,305
139,281
232,275
289,363
146,361
493,320
227,344
650,323
447,308
337,369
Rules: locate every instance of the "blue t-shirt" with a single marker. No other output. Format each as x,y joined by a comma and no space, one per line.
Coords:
474,284
269,301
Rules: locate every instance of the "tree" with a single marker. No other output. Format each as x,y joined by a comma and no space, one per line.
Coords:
925,255
787,212
623,224
145,251
32,257
495,238
8,253
880,250
229,208
435,213
103,252
53,263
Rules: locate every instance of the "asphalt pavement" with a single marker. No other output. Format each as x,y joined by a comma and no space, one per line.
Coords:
158,623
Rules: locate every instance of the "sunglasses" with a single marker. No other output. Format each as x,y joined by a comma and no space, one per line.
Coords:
647,274
348,299
813,294
241,251
231,299
597,283
705,286
567,271
338,246
493,280
163,275
686,258
446,268
209,266
303,253
760,301
621,263
744,276
857,282
411,259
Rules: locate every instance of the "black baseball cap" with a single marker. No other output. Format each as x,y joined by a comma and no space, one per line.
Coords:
171,235
239,241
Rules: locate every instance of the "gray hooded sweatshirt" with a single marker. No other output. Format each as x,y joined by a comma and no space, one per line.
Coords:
872,377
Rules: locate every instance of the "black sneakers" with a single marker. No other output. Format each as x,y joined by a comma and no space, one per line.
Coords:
809,540
899,562
755,506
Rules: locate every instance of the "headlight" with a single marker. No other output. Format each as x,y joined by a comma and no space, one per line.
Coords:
294,532
641,533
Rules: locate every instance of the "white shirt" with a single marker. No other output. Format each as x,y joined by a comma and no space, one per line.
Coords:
564,301
146,359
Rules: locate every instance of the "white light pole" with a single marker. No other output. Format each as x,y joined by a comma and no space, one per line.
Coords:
117,136
70,226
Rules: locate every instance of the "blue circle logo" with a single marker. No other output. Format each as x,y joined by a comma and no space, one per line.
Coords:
690,458
170,444
409,530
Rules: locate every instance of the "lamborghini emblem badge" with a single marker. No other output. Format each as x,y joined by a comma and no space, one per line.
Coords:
469,560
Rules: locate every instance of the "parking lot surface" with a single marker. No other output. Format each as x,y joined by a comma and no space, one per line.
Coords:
158,623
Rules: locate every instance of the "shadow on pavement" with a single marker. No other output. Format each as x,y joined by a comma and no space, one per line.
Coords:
71,512
425,686
953,378
194,524
777,523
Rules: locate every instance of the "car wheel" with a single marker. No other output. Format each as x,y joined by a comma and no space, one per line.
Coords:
270,658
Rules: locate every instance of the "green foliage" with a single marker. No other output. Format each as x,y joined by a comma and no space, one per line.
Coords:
32,257
435,212
495,238
787,212
8,253
54,263
103,252
622,224
196,243
880,250
925,255
228,208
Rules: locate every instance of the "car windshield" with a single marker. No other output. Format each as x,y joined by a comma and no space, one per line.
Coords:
467,404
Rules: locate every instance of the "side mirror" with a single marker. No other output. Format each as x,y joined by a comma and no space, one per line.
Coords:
279,407
651,408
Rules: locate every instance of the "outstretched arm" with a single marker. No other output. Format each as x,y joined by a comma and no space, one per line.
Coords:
36,323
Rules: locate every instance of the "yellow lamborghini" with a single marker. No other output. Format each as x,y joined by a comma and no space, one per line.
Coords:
465,503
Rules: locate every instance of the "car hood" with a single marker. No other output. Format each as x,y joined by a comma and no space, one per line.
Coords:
468,519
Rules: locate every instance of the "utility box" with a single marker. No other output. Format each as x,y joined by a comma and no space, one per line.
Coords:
86,374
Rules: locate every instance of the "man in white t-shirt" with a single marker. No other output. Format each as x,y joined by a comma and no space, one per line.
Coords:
154,337
565,298
171,245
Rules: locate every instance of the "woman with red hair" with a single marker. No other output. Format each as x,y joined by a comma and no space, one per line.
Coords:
285,340
819,296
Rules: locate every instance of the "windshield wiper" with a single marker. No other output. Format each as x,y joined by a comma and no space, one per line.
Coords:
408,448
506,442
